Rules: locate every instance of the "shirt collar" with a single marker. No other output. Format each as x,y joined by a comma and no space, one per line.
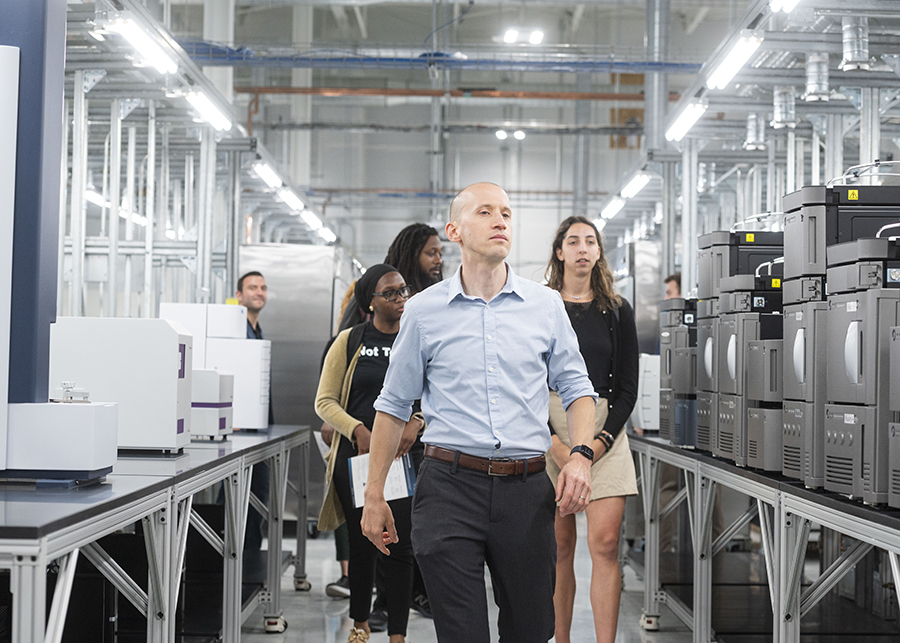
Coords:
512,285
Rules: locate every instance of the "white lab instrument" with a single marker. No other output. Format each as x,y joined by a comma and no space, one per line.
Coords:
207,320
145,365
646,410
212,398
248,360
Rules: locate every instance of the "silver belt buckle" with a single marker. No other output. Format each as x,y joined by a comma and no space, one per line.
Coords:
491,466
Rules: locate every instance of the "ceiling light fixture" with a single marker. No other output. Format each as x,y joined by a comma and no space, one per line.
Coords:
267,174
209,112
736,58
95,198
327,234
292,200
685,121
519,135
511,36
536,37
612,208
501,134
635,185
600,223
311,219
783,5
152,53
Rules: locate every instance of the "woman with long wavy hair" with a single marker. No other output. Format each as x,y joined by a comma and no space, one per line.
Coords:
607,338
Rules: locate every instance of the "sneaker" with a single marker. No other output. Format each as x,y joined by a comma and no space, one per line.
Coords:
339,588
378,620
421,605
358,636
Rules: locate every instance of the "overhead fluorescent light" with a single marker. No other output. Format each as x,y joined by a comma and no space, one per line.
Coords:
501,134
208,112
612,208
327,234
736,58
292,200
536,37
685,121
150,51
267,174
635,185
600,223
519,135
311,220
170,234
96,35
510,36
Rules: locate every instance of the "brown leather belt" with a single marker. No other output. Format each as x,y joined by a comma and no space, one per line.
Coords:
490,466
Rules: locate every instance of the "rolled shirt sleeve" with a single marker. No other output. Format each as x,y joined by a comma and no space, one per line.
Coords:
405,378
567,374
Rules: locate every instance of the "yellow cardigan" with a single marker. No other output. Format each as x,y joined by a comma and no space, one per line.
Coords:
332,398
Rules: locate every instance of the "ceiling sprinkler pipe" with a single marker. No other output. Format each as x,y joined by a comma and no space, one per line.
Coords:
785,108
816,77
856,43
756,132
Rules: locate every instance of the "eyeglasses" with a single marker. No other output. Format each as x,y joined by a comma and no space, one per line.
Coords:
391,295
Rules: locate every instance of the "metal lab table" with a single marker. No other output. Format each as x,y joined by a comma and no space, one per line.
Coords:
785,510
38,526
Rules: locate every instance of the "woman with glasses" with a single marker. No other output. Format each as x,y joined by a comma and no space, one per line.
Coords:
607,339
351,379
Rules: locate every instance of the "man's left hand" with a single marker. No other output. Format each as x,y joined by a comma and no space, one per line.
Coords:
573,485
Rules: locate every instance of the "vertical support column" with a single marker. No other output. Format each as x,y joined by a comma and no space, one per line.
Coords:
834,146
650,497
869,129
704,498
791,170
189,220
300,582
689,167
771,173
233,230
148,309
278,474
28,584
218,26
115,199
301,106
207,188
794,530
800,163
38,29
815,159
237,497
158,539
128,206
668,226
656,85
77,205
582,150
436,173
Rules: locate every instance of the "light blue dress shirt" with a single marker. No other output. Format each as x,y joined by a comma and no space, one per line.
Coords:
482,368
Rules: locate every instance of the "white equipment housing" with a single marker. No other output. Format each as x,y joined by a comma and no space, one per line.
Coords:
143,364
248,360
646,409
207,320
212,398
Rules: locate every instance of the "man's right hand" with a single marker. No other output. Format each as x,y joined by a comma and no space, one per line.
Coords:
378,522
363,438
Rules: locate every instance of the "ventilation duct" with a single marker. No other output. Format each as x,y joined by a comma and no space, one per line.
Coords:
816,77
756,132
856,44
785,108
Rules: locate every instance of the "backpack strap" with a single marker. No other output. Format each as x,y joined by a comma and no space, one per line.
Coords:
354,341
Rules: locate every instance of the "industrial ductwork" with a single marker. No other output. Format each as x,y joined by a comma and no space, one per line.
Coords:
816,77
856,43
785,108
756,132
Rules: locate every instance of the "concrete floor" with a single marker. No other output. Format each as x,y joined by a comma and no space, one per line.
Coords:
313,617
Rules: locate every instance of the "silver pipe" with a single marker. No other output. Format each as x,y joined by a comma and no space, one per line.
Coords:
114,198
656,85
869,128
63,215
150,212
689,168
581,152
785,107
834,146
816,77
232,229
79,167
855,37
189,192
791,164
816,151
128,206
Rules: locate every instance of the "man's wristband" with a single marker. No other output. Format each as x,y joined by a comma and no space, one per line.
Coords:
584,450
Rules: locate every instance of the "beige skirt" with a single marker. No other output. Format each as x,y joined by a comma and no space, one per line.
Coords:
613,474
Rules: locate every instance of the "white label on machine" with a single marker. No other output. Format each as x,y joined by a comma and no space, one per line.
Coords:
849,418
400,483
852,306
798,315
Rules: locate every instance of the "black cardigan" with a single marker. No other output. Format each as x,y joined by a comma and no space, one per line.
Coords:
622,393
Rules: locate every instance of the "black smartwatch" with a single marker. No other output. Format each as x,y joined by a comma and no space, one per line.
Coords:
584,450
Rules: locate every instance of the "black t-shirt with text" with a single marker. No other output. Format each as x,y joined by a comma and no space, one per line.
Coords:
368,378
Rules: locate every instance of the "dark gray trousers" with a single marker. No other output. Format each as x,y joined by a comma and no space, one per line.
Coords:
463,519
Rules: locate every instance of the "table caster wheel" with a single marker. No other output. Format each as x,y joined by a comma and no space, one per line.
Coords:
650,623
275,624
302,585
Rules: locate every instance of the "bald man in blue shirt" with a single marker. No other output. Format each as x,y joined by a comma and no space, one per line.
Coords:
479,350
